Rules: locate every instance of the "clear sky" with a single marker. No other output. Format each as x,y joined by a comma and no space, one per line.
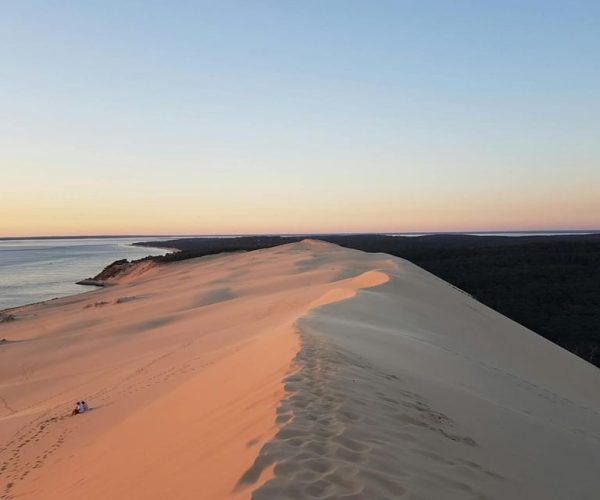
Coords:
304,116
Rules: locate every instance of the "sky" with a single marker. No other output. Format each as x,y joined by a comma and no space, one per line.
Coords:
156,117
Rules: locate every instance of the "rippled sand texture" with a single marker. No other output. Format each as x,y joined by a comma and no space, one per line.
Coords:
414,390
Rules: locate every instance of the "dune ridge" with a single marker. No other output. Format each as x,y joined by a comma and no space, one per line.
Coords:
414,390
182,364
301,371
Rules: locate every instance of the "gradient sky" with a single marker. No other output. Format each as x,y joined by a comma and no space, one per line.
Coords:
307,116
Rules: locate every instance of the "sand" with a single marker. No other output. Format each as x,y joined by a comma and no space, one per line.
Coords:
301,371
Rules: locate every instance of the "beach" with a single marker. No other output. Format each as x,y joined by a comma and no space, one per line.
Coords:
306,370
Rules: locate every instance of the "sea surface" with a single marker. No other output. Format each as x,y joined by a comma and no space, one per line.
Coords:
41,269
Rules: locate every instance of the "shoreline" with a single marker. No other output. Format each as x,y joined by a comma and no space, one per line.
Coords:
9,309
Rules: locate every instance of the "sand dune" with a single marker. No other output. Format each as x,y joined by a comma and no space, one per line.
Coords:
300,371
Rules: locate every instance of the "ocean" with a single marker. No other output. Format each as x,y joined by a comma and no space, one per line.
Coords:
41,269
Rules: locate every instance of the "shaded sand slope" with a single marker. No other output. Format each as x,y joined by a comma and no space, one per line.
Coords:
415,390
301,371
182,365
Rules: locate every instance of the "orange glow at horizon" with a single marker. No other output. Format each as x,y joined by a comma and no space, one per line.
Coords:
81,215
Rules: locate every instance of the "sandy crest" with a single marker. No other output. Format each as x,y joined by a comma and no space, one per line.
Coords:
414,390
182,366
297,372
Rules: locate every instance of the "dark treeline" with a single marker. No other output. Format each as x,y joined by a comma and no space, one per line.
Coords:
550,284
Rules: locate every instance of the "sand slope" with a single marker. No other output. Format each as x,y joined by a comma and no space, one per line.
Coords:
183,367
302,371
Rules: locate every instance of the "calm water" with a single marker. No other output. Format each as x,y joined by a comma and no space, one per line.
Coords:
36,270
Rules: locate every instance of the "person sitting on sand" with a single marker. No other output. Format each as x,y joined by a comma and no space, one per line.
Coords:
83,407
77,409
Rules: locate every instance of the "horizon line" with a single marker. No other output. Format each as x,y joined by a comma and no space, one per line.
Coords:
341,233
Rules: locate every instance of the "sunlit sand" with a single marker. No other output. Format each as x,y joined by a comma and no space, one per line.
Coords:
302,371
